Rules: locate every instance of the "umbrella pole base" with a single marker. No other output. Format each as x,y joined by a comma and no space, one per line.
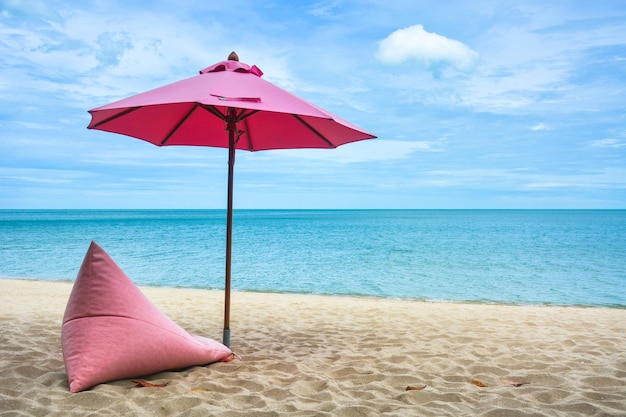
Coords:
226,338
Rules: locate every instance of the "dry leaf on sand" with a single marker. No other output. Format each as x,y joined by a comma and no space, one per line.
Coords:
514,383
478,383
146,384
200,390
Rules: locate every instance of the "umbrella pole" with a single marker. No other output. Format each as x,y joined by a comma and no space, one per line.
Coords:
229,225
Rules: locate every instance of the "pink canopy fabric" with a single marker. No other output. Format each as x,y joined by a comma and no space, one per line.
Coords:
194,112
228,105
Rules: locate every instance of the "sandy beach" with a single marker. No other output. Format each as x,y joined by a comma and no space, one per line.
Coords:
334,356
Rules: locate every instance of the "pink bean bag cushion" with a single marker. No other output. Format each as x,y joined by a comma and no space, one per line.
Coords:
112,331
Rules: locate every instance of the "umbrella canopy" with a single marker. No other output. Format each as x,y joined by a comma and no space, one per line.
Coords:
228,105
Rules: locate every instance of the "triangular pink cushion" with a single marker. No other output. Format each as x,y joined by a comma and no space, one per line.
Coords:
112,331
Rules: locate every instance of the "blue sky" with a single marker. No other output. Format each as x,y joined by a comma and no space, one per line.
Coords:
486,104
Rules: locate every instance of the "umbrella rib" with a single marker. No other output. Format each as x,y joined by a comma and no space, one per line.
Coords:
213,111
115,116
243,117
312,129
245,114
179,124
247,132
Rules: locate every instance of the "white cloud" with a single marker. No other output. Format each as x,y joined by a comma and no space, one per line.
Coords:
31,7
523,179
431,49
539,126
545,64
364,151
469,177
607,143
322,9
606,178
36,125
41,175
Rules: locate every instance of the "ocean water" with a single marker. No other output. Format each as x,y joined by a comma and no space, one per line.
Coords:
563,257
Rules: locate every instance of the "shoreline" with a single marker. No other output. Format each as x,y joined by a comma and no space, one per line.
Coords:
309,355
357,296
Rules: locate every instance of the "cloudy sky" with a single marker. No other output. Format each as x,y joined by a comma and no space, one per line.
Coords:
481,104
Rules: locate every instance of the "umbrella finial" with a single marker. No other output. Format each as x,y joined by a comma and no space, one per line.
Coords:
233,56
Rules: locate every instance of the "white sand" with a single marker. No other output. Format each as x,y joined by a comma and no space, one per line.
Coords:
333,356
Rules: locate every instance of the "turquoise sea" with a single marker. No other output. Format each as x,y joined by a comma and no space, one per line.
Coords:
563,257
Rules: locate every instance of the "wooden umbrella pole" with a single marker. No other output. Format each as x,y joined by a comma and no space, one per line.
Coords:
229,223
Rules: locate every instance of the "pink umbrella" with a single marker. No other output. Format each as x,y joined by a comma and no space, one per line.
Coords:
229,96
